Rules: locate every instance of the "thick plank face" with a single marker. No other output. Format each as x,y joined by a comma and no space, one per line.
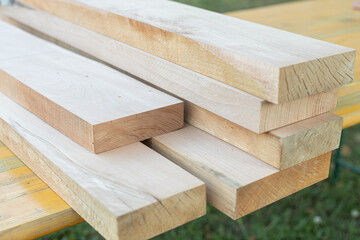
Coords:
336,22
236,183
201,92
126,193
281,148
29,208
272,64
96,106
212,106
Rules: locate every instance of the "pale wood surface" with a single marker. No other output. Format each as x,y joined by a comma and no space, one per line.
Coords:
331,20
274,65
236,182
206,93
309,138
283,18
211,94
126,193
96,106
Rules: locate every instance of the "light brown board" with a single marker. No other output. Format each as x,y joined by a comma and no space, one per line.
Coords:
281,148
272,64
95,105
209,94
229,103
236,183
130,192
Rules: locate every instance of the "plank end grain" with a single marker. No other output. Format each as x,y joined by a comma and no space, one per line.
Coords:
163,215
234,179
137,128
93,104
275,116
257,59
307,78
282,147
309,138
281,184
132,180
195,89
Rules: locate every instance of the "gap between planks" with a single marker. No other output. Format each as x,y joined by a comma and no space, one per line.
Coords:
113,191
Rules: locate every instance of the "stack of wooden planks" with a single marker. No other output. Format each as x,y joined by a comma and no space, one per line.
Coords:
256,102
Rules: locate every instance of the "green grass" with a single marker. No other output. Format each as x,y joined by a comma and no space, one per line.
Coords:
327,210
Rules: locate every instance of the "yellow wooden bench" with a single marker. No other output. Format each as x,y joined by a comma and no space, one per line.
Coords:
30,209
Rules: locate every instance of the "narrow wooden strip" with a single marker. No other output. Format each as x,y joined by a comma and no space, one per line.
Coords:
10,162
5,152
348,101
236,183
15,176
351,119
34,215
351,115
227,102
27,186
26,214
96,106
281,148
274,65
126,193
350,88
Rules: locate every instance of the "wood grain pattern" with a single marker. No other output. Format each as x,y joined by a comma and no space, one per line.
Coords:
29,208
126,193
281,148
96,106
203,92
274,65
236,183
335,21
215,96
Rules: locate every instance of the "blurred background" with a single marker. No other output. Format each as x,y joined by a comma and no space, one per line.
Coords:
327,210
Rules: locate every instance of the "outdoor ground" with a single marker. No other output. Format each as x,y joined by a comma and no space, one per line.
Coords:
327,210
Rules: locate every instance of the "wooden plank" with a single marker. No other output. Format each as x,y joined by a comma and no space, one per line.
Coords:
29,208
272,148
44,211
274,65
348,101
350,114
236,183
113,191
335,21
281,148
198,90
96,106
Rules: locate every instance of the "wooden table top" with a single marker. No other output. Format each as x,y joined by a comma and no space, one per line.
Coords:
30,209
